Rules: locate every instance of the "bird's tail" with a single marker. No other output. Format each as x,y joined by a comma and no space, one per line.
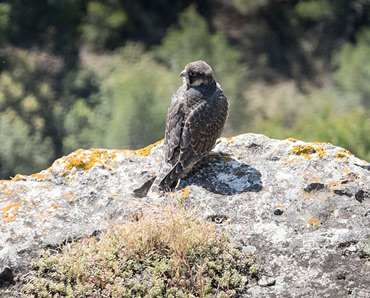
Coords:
168,178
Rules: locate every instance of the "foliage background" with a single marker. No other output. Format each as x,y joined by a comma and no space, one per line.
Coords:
79,73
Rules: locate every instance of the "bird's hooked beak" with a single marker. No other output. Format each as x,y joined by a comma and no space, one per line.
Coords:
184,74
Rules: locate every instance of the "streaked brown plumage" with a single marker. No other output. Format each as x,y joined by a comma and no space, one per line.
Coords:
195,120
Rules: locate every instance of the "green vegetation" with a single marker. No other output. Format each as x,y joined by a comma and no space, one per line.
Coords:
101,74
363,249
169,254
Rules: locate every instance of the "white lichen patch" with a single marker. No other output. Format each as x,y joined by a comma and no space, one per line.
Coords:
235,183
273,232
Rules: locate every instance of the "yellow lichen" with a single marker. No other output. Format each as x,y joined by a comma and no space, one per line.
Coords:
334,184
145,151
86,159
291,160
228,159
292,139
309,196
353,175
303,150
341,153
320,152
314,222
116,196
53,207
69,195
321,143
5,189
315,179
19,177
38,176
9,212
185,192
228,140
307,150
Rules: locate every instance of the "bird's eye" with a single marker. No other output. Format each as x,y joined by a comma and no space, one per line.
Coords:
191,73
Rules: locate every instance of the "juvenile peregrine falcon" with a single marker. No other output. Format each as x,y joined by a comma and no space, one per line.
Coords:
195,120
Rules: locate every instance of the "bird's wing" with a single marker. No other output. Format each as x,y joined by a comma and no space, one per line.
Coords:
202,128
167,175
190,134
174,127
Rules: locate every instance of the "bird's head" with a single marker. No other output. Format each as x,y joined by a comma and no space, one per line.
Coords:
198,73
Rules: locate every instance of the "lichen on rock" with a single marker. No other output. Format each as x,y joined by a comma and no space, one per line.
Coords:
299,207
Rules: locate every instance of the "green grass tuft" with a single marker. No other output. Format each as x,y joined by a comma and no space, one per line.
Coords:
171,254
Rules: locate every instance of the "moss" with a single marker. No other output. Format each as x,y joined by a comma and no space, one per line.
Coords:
168,254
363,249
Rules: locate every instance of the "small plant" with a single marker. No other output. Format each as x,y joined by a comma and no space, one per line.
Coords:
364,249
167,254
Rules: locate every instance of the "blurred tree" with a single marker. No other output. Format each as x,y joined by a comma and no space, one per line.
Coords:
136,92
79,127
22,151
48,25
149,20
348,129
353,74
294,39
27,101
102,25
316,116
79,73
76,117
5,9
129,111
272,109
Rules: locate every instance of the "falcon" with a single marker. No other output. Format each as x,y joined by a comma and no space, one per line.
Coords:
195,120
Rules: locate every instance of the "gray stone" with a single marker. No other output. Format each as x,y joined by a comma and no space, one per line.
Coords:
321,193
265,281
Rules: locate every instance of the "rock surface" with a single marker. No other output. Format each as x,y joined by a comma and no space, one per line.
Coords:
301,208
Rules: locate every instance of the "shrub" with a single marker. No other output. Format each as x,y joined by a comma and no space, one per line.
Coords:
353,73
167,254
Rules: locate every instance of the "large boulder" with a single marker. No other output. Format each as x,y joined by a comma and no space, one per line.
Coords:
302,208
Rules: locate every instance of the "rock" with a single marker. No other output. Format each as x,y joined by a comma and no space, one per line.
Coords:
301,208
265,281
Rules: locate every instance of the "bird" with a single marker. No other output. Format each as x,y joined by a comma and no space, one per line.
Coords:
195,120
